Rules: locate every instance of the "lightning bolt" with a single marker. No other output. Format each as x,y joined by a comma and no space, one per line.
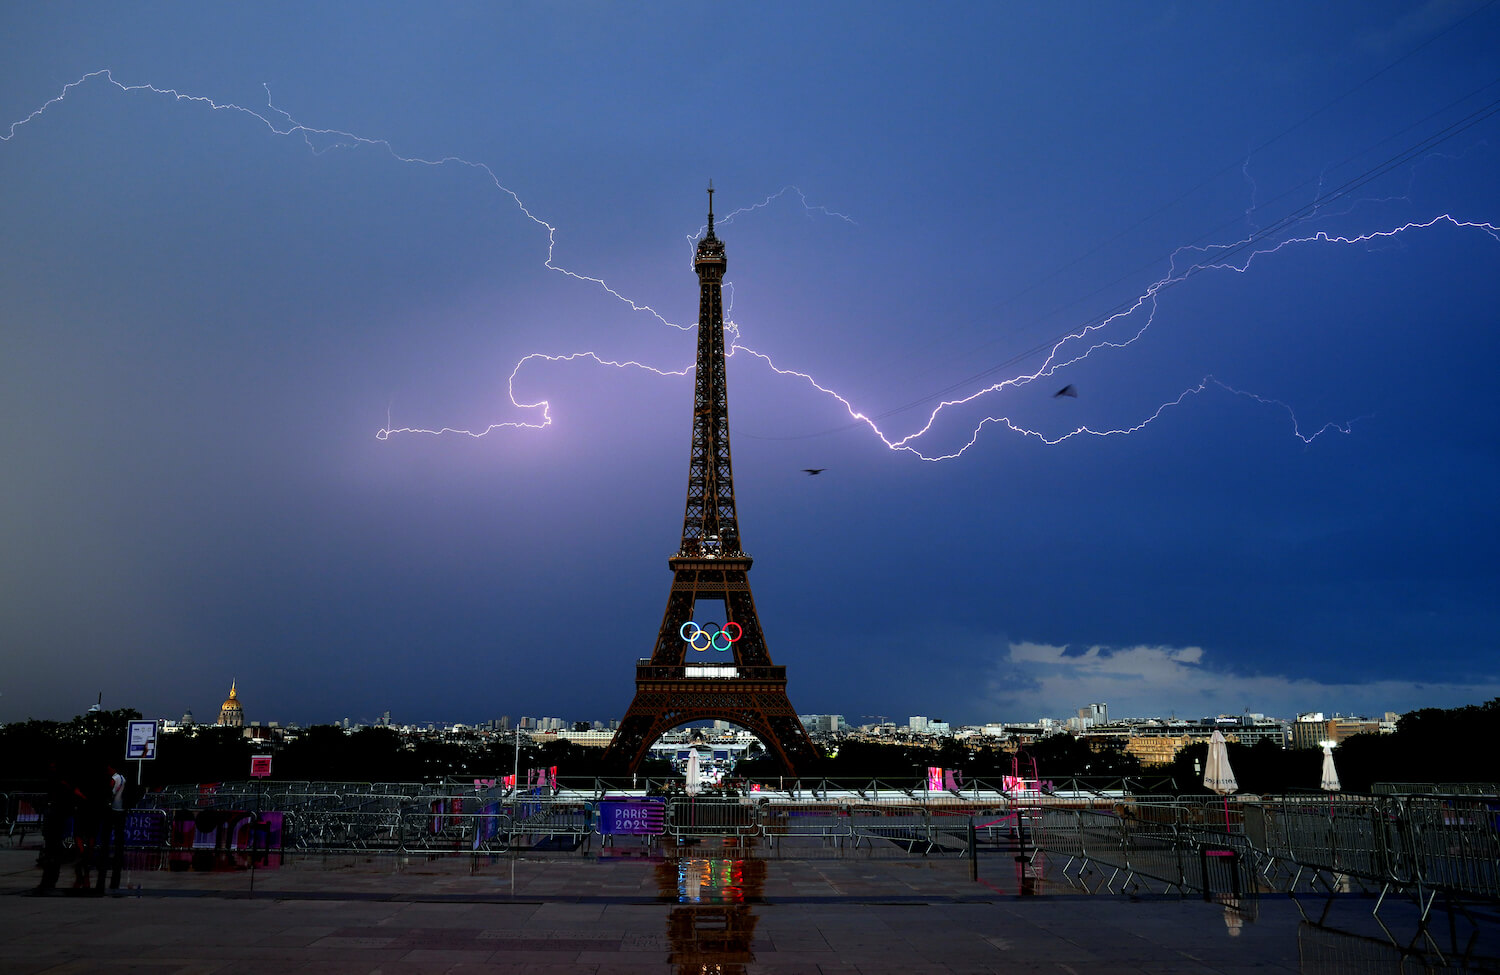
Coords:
1066,352
1134,318
338,139
386,432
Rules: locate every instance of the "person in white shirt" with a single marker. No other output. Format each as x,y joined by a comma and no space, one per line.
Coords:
112,856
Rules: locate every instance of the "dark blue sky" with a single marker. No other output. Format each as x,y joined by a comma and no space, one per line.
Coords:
204,325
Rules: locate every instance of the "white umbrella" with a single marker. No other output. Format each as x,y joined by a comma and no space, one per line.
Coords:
1330,781
1218,776
690,786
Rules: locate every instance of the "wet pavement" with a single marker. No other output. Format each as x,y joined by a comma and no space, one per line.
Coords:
712,909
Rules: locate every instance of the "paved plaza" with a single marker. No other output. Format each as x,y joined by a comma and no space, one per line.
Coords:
697,912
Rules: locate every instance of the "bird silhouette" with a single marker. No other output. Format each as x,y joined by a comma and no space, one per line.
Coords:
814,471
1068,390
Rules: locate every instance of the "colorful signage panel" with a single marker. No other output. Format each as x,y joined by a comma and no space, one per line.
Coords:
632,817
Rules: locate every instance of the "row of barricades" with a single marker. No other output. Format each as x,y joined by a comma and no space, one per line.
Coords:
445,827
1425,844
916,827
1421,844
460,824
1131,846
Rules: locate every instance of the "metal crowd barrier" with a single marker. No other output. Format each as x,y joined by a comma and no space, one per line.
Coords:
1334,841
1422,845
1490,789
22,813
1393,842
824,820
1454,844
331,831
903,824
948,825
1100,847
690,816
556,821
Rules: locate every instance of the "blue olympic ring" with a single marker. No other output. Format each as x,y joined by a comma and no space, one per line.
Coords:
711,637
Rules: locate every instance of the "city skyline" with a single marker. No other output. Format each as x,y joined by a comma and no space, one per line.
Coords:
1094,713
1283,222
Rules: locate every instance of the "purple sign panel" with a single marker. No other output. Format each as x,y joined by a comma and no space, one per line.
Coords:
632,817
145,828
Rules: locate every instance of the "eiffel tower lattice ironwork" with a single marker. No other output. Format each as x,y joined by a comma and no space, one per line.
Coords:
680,683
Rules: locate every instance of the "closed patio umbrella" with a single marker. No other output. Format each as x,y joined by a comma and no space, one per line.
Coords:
1217,775
1330,781
690,785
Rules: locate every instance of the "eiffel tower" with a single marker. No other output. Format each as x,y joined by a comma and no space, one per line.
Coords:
710,677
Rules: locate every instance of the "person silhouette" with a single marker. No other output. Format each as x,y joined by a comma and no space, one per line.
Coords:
89,803
59,809
112,849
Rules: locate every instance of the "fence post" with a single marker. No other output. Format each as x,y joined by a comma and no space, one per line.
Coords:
1177,842
973,852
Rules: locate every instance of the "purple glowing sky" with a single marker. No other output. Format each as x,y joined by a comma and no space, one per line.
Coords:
204,324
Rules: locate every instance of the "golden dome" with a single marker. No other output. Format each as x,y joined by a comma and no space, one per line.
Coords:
231,714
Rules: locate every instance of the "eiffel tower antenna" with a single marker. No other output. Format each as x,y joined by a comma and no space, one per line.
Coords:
693,675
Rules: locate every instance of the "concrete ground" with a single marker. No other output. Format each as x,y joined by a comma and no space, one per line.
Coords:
706,910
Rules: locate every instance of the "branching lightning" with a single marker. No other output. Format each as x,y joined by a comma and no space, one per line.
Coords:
1118,330
387,431
1084,342
338,139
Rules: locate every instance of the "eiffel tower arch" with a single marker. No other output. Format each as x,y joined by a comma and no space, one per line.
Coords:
693,675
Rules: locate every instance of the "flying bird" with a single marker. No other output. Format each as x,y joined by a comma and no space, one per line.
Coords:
814,471
1068,390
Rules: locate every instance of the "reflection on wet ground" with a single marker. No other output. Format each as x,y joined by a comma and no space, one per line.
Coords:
711,926
735,906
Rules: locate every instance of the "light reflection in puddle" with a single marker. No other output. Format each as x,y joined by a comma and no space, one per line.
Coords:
711,925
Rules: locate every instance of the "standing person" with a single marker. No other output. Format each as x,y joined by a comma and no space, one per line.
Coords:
90,802
112,853
54,826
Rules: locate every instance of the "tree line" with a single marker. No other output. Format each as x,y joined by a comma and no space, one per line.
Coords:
1431,745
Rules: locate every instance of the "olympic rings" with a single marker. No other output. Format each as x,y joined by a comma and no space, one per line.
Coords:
714,636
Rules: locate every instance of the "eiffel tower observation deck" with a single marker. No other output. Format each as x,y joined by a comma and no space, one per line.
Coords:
711,667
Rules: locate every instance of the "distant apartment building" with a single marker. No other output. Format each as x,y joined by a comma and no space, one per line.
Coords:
1093,715
594,737
917,724
1313,728
1157,741
1152,750
823,724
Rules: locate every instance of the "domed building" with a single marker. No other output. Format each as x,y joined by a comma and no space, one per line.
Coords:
231,715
